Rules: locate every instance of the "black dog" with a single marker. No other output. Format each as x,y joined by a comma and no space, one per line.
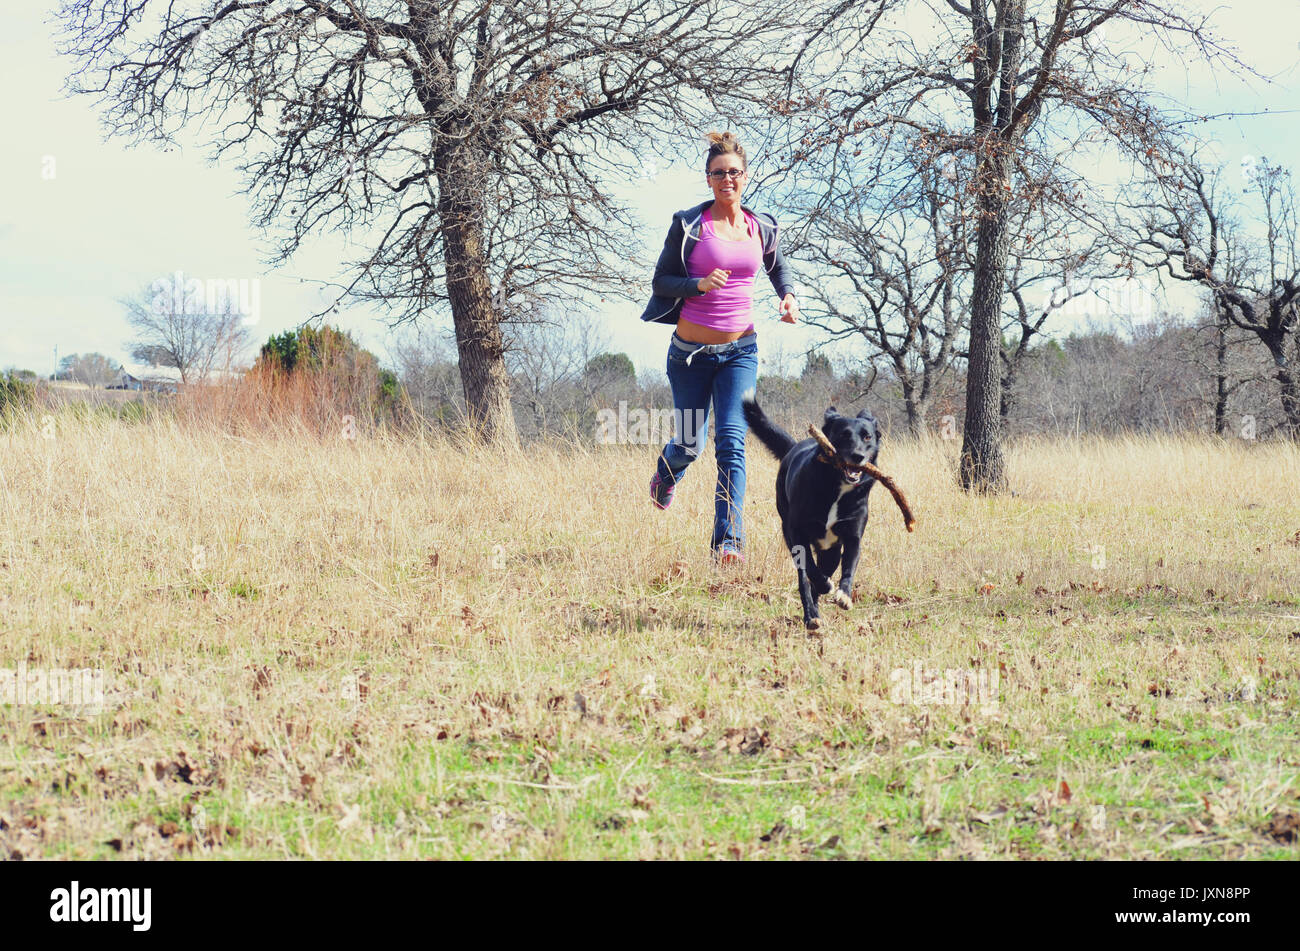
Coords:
823,507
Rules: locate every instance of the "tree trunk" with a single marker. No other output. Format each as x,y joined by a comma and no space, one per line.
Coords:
1287,383
914,407
479,341
1005,398
982,467
1221,375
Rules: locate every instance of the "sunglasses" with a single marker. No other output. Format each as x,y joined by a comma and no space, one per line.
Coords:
719,174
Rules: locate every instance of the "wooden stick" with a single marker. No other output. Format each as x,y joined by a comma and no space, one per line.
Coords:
908,518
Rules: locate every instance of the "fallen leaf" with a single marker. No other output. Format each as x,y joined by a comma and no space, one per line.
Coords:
997,812
1284,827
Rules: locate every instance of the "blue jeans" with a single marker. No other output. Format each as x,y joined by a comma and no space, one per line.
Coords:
718,374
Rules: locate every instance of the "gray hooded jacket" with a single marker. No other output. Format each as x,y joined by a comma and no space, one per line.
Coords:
672,281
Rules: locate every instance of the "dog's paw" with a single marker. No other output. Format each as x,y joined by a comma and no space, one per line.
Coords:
813,624
842,600
821,586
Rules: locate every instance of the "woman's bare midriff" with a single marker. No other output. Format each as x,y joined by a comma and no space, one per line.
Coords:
695,333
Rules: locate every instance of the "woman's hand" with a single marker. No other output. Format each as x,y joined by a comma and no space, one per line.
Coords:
789,309
713,280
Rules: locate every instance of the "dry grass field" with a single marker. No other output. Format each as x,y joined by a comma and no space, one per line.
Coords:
395,647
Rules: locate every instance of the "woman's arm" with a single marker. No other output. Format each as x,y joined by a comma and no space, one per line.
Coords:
669,281
780,277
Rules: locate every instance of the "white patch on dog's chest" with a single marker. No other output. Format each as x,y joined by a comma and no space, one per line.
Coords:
833,516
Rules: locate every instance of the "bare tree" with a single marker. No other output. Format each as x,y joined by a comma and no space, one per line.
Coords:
893,257
178,327
1185,227
1219,355
426,366
92,369
470,148
883,262
546,355
1125,375
1227,380
1001,80
1043,276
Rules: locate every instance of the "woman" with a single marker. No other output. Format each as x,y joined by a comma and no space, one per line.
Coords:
704,283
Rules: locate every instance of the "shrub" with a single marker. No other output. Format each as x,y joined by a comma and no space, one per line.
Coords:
15,392
310,379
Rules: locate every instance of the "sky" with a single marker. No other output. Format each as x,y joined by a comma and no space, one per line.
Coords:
85,222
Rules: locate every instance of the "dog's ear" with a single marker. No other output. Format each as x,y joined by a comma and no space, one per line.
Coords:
866,414
831,413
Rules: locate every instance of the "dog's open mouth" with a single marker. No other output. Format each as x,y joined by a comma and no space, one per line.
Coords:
852,476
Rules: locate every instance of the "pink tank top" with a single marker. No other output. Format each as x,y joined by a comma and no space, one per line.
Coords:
728,308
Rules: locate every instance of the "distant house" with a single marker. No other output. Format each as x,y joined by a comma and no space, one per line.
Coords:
140,376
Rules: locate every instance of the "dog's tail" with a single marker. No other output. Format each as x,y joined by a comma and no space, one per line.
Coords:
769,434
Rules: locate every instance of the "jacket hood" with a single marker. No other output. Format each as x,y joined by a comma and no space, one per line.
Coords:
690,217
665,305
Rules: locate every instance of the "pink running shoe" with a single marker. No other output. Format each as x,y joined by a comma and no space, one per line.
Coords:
730,557
661,491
